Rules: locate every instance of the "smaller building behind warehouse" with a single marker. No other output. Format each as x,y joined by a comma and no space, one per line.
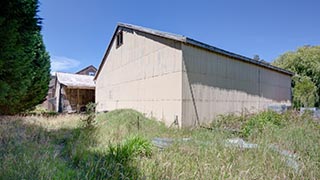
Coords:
70,93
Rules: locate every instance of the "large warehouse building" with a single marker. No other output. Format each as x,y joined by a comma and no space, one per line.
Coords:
172,77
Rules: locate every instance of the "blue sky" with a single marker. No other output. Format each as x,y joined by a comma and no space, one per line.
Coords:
77,32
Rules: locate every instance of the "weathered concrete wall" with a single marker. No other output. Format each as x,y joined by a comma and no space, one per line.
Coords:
214,84
49,103
57,94
164,79
144,73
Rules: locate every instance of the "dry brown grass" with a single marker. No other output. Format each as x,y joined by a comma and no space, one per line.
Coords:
60,148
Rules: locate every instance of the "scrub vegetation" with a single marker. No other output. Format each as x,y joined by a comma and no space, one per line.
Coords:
305,63
119,146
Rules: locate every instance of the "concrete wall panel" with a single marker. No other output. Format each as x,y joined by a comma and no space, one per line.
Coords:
214,84
164,78
144,73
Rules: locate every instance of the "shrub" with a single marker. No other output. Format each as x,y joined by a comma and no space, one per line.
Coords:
229,122
89,119
39,111
257,123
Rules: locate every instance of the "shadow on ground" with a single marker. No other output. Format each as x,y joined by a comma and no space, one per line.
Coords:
30,151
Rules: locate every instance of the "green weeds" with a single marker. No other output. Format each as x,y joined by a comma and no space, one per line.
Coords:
257,123
119,147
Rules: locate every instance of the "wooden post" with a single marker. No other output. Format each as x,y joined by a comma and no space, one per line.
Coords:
138,123
176,122
78,99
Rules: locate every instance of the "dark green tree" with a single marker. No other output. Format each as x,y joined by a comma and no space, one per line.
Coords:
305,62
24,62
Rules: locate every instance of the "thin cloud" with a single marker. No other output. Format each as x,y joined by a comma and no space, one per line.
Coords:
61,63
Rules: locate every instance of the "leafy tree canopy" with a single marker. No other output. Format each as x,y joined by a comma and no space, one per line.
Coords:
305,62
24,62
304,92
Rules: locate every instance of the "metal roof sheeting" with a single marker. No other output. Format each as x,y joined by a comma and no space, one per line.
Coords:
75,80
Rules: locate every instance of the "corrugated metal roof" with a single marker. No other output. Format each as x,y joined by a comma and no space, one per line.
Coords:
75,80
193,42
167,35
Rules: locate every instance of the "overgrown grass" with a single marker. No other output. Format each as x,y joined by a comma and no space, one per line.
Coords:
27,150
119,147
39,111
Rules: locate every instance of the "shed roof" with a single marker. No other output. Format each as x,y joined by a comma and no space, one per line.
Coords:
75,80
91,66
189,41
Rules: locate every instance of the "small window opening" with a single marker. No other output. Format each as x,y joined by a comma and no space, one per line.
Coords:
119,39
91,73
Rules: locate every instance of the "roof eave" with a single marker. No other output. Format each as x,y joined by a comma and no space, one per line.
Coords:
106,53
79,87
154,32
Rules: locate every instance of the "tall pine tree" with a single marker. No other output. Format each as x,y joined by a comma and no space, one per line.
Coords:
24,62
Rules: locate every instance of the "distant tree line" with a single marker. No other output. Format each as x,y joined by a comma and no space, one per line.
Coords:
24,62
305,62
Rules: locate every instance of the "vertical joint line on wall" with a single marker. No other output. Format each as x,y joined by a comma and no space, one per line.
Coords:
192,95
60,99
193,100
194,105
